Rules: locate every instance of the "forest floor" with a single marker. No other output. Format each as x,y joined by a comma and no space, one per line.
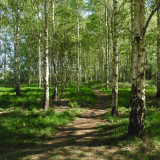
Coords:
89,137
78,140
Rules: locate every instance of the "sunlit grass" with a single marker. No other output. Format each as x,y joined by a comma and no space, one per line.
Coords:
23,120
116,128
20,127
86,94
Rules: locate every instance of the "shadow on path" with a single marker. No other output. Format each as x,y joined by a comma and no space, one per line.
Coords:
78,139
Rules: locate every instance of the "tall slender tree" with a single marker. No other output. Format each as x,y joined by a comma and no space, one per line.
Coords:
5,56
132,35
78,50
46,59
107,45
56,82
138,111
16,51
39,61
0,28
115,60
158,53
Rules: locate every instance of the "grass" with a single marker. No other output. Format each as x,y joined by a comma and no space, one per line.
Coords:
18,127
116,128
23,121
85,95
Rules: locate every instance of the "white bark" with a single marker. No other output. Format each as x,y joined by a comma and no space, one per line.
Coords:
115,60
46,59
158,53
137,115
0,30
16,53
78,57
107,45
39,61
56,81
5,57
132,35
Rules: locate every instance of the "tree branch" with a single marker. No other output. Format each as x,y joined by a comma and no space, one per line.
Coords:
148,21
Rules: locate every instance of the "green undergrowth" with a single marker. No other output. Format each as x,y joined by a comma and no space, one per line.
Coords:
85,94
116,128
23,120
19,127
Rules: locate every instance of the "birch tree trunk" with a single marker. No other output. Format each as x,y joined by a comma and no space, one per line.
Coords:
137,114
132,35
0,30
46,60
158,53
107,46
115,60
56,82
30,68
5,57
16,53
78,58
39,61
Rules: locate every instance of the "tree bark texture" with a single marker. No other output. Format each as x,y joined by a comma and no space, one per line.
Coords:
78,58
16,53
132,35
107,46
56,81
158,53
115,60
0,30
138,111
39,61
46,60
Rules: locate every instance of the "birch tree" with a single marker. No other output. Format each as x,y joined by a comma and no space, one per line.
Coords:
0,28
138,111
158,53
46,59
78,51
132,35
115,60
56,82
107,45
39,61
16,52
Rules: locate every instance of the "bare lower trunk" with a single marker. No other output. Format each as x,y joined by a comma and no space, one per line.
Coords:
115,61
132,35
56,82
107,46
39,61
158,53
46,60
5,57
137,114
16,54
0,30
78,58
5,67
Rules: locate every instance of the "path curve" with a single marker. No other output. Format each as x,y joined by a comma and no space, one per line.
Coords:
80,139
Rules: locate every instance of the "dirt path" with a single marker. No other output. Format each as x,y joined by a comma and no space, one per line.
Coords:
79,139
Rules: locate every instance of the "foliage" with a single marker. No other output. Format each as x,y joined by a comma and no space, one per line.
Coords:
86,94
22,121
116,128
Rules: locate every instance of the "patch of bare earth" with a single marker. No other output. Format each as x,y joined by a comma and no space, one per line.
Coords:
77,140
